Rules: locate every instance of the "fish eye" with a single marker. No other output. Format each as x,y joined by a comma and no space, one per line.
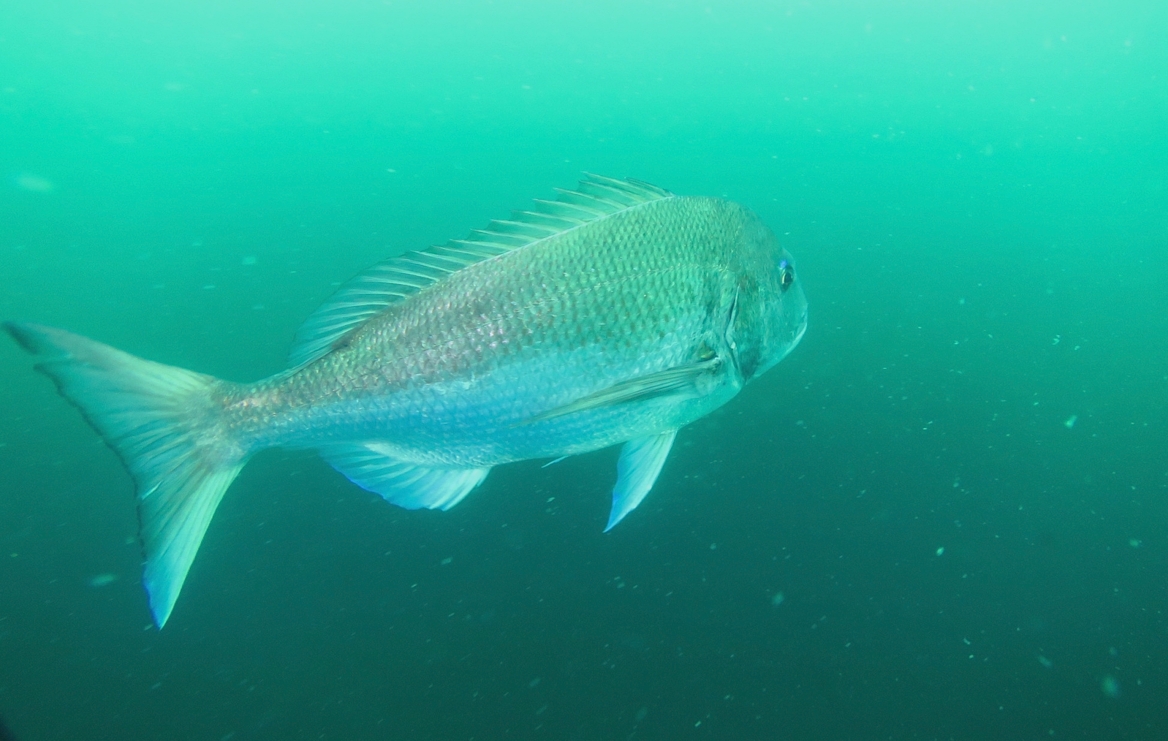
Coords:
786,275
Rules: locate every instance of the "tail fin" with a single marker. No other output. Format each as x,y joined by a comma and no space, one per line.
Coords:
163,422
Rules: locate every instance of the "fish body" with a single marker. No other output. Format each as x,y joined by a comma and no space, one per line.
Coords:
616,314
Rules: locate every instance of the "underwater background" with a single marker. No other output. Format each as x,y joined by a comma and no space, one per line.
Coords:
944,516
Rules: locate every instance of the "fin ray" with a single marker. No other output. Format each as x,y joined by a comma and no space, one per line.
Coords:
160,421
637,470
681,380
373,466
396,279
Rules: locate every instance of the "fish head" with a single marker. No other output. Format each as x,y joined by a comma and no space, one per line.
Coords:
771,309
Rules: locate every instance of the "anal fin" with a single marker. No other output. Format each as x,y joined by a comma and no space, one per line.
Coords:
373,466
640,463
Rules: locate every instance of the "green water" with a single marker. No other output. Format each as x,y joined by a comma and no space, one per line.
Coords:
944,516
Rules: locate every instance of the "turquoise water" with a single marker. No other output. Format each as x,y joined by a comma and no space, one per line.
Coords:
943,516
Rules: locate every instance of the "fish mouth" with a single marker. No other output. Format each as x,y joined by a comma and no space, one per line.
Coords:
787,347
797,336
802,330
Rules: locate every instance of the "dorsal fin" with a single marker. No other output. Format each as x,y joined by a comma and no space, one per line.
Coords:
396,279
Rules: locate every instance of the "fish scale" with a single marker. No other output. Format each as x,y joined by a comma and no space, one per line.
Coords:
491,320
618,313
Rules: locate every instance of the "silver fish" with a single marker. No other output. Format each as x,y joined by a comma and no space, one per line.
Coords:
617,313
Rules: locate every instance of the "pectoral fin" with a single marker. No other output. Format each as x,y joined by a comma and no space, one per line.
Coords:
640,462
681,381
372,466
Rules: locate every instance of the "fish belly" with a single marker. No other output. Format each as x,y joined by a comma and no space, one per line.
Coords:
483,417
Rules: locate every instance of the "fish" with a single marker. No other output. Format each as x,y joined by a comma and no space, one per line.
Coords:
616,313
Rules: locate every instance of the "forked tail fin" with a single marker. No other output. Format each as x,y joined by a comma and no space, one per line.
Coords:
164,423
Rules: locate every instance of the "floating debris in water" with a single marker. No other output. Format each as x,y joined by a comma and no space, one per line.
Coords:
1071,420
1045,661
1110,686
777,599
33,183
941,551
102,580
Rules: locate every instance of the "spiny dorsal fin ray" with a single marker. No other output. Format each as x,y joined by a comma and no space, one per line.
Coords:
394,280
